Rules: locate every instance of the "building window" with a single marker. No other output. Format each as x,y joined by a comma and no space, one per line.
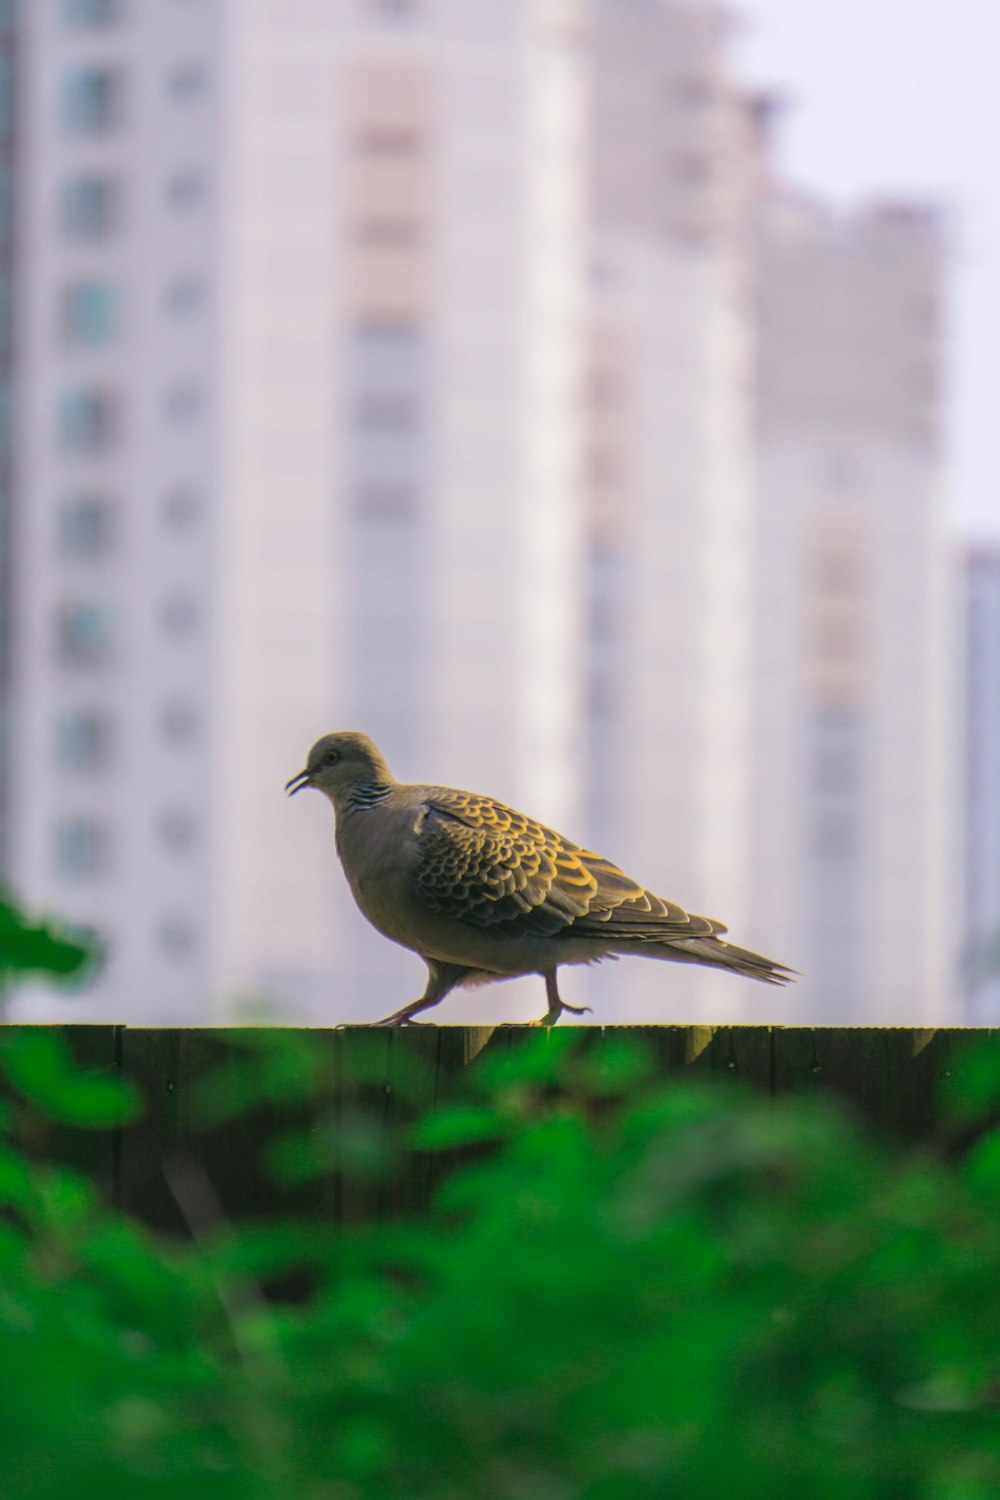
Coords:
390,140
385,502
84,633
82,15
90,314
386,409
6,315
87,420
181,508
186,190
85,526
183,403
83,740
186,82
389,231
184,296
89,207
842,472
91,100
179,723
387,356
178,939
6,203
393,10
692,168
81,847
178,830
179,614
6,417
692,92
834,837
8,111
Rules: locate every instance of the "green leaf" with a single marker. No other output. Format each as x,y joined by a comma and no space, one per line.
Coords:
459,1125
38,1063
39,948
973,1088
982,1166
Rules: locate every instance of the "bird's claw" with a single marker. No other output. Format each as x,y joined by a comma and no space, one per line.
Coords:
552,1015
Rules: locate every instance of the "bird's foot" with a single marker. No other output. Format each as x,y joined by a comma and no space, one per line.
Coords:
403,1017
553,1013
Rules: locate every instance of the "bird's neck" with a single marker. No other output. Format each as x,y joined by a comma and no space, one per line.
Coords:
365,794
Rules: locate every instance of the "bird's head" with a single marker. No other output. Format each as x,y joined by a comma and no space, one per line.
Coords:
340,763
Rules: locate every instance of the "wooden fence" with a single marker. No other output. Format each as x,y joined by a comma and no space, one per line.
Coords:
179,1168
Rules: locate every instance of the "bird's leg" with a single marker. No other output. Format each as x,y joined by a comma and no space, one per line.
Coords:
557,1006
440,979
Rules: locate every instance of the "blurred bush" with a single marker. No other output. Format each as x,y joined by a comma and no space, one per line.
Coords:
626,1290
30,948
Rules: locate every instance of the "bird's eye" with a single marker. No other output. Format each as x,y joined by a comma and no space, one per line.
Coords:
331,757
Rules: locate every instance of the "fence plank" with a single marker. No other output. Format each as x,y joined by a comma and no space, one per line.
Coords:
179,1176
151,1060
92,1152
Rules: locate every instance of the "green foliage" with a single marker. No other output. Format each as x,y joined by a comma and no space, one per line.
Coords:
38,948
623,1290
39,1065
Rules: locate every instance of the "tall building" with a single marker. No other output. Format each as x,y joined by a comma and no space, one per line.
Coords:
854,871
669,475
9,57
114,661
301,336
981,785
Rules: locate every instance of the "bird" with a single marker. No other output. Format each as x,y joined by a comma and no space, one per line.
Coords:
482,892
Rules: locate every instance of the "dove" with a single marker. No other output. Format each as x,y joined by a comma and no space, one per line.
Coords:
482,892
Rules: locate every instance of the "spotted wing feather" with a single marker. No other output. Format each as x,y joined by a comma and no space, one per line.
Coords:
487,865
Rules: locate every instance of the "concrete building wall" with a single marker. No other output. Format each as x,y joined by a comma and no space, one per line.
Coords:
853,841
402,438
322,389
111,656
981,784
670,553
11,52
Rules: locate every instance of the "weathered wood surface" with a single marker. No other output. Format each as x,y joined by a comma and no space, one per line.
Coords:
181,1175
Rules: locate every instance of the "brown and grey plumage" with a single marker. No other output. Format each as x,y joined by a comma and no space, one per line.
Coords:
482,892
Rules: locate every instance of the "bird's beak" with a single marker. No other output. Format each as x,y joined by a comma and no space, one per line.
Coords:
297,783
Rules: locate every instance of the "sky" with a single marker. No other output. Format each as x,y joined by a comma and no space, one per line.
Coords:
901,98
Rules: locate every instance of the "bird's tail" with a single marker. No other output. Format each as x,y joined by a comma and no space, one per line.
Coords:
718,954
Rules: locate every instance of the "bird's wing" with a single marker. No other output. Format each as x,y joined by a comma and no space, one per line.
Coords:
485,864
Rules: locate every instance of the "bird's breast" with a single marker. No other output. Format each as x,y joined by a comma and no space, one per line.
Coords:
376,852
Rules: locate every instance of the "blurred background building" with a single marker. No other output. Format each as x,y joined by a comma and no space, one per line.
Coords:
670,442
856,709
399,531
8,149
981,783
460,371
301,327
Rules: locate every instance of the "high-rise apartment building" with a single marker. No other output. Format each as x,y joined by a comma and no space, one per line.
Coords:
9,55
670,467
854,869
981,785
299,347
115,662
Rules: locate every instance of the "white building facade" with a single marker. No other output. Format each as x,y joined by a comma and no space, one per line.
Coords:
981,784
854,855
670,468
113,644
300,345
